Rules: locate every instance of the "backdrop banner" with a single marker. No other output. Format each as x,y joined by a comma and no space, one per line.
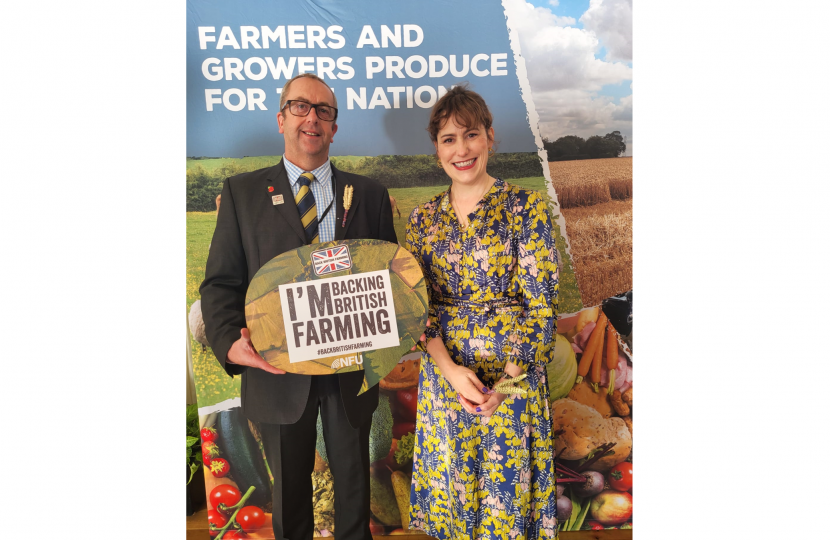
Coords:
388,63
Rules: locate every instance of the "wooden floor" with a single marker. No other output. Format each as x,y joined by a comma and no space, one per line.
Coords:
197,530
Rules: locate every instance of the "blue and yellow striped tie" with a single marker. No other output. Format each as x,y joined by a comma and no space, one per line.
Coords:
307,208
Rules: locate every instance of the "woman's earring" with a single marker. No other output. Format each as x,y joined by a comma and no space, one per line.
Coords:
491,152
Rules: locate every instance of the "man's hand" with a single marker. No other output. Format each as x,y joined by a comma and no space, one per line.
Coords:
243,353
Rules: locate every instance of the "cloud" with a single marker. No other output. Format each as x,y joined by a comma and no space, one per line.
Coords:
610,20
565,74
575,112
624,113
554,3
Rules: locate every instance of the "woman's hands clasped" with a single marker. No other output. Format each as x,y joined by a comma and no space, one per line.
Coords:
473,395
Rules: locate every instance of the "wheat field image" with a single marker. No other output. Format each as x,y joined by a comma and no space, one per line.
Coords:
596,199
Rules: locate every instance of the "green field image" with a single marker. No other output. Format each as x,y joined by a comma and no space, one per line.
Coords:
253,163
212,383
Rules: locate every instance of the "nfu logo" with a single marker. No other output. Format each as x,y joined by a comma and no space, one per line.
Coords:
345,361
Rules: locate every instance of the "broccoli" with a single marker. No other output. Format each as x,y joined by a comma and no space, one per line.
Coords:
406,449
380,436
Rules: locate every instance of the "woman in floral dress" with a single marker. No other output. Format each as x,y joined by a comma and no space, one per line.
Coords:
483,464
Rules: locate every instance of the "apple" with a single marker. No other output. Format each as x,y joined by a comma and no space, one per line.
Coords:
612,507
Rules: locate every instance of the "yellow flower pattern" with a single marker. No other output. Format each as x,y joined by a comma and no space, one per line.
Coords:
493,298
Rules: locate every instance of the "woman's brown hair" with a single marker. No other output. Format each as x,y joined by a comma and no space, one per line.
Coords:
468,108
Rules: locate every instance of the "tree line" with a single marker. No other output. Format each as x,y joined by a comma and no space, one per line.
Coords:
204,185
571,147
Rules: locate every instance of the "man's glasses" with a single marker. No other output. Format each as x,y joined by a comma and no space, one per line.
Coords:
302,108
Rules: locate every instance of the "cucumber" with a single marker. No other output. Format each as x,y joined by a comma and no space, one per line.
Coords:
238,446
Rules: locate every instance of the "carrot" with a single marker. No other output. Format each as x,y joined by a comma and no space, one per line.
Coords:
596,367
588,354
612,354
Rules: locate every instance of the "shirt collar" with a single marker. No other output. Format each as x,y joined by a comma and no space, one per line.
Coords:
322,173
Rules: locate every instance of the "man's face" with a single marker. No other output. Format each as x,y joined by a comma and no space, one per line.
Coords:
307,137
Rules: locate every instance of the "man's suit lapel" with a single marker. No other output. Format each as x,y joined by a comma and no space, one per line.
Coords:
341,182
288,209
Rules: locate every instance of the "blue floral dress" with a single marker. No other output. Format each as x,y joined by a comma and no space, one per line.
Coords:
493,297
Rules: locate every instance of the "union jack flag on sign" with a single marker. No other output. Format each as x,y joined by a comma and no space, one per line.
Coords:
331,260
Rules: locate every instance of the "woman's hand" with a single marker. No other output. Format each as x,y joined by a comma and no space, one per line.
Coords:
487,408
493,399
462,379
468,387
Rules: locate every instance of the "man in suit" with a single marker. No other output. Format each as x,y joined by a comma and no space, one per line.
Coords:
260,219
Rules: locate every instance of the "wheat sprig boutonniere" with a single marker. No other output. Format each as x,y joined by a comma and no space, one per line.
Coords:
348,193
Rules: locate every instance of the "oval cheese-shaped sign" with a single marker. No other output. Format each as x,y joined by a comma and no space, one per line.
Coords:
339,306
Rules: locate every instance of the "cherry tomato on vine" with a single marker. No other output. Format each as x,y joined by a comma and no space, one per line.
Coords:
219,467
234,535
208,434
224,494
621,476
210,450
217,519
250,518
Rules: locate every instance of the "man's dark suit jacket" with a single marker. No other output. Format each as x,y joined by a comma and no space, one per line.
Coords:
250,231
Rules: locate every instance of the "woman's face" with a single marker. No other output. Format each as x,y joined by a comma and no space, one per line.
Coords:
463,151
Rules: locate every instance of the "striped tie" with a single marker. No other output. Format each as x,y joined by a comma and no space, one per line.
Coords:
307,208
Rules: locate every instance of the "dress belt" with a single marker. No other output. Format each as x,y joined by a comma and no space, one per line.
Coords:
500,304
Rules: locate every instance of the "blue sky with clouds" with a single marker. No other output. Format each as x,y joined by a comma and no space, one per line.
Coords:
579,63
564,8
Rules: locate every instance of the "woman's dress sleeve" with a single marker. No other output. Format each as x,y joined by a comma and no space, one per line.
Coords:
533,335
414,244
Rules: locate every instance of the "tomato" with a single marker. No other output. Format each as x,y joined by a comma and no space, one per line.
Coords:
208,434
399,430
250,518
409,399
595,525
206,460
224,494
217,520
233,534
219,467
621,476
210,450
376,528
389,460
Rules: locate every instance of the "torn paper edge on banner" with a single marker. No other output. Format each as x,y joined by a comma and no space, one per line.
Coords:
533,120
221,406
